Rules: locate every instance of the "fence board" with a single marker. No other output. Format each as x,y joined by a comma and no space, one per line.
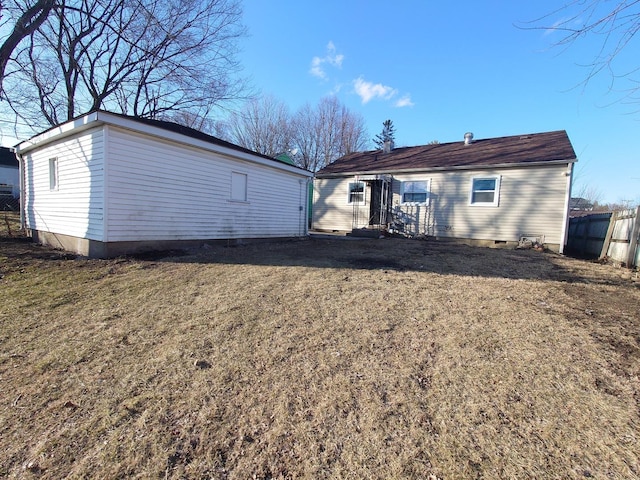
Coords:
601,235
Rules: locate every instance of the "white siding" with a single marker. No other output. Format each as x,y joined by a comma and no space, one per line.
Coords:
160,190
531,202
331,207
76,207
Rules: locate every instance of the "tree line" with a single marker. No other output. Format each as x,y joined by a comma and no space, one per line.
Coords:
171,60
177,60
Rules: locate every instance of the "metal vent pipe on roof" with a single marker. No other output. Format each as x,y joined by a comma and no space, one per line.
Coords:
468,138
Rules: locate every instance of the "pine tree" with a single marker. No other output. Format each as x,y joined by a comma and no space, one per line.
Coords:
388,133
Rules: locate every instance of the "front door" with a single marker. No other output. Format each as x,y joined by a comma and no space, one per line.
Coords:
379,202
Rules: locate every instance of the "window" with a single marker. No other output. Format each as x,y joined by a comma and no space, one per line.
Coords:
238,187
356,192
415,192
53,174
485,191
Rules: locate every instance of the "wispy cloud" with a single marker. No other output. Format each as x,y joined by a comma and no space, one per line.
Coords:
405,101
368,90
331,58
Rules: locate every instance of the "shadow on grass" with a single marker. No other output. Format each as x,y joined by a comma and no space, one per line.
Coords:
388,254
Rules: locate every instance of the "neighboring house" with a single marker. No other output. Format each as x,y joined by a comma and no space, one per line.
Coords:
9,174
579,205
107,184
492,191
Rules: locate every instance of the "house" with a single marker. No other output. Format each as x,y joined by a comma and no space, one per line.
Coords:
495,191
106,184
578,205
9,176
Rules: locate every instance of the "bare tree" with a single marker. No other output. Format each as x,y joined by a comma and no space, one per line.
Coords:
148,58
615,23
28,18
263,125
327,132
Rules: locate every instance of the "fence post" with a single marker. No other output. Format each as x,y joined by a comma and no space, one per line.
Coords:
608,236
633,241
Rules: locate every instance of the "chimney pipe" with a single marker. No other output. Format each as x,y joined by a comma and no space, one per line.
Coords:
388,146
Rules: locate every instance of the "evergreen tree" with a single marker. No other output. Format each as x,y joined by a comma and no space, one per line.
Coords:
388,133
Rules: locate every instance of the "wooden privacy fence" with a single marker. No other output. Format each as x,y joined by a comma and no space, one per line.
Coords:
607,235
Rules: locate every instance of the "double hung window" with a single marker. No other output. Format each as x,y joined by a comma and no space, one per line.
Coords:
415,192
485,191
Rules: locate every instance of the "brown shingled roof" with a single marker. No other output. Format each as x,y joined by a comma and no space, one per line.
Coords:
518,149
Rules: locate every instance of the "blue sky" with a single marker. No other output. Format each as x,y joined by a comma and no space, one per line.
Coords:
440,69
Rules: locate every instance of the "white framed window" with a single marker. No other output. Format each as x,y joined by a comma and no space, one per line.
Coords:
238,187
485,191
53,173
356,193
415,192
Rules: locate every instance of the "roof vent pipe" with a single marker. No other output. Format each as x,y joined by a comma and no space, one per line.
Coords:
468,138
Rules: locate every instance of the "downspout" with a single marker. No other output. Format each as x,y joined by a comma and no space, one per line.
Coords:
22,189
304,208
565,224
308,201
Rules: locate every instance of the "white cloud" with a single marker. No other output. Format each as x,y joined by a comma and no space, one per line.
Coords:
331,58
316,68
405,101
368,91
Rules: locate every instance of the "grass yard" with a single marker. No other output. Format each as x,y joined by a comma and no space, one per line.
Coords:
324,358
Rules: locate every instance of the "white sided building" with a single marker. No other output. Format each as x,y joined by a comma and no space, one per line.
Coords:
106,184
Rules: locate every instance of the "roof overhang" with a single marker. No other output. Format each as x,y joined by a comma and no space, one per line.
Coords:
100,118
368,173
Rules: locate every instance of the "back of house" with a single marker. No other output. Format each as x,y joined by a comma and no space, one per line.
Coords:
496,191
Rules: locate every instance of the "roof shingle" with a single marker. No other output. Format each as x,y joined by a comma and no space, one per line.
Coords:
517,149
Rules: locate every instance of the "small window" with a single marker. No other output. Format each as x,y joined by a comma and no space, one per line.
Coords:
53,174
415,192
485,191
238,187
356,192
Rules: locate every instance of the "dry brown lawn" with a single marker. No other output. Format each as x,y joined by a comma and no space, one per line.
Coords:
325,358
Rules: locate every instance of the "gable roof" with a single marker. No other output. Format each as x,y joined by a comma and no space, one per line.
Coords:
7,158
159,128
535,148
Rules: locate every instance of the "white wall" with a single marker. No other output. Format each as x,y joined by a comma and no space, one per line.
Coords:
162,190
531,202
76,207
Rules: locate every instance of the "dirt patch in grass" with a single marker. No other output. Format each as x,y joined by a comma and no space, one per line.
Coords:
318,359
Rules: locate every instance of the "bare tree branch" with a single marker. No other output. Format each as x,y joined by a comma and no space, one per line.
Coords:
148,58
615,23
25,25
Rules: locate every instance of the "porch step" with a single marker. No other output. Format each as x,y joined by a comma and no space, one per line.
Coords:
365,232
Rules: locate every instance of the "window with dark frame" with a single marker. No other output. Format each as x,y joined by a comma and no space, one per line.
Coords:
356,192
